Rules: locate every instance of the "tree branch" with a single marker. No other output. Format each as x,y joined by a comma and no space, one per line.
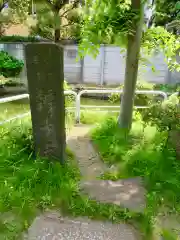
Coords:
72,7
66,25
50,4
151,21
3,5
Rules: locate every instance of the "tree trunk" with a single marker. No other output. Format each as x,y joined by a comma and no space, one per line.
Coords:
57,35
57,30
132,61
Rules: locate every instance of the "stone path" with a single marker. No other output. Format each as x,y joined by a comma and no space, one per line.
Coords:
51,226
126,193
88,160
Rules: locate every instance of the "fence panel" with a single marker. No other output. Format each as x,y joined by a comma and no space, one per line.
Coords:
108,68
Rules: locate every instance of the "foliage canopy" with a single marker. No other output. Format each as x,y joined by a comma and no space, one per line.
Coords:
166,11
111,22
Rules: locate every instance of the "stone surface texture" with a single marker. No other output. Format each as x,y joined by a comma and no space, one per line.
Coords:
88,160
51,226
45,75
128,193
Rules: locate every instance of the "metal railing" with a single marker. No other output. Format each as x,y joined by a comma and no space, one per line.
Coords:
110,91
24,96
78,106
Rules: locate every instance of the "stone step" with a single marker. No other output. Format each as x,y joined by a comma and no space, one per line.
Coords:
127,193
51,226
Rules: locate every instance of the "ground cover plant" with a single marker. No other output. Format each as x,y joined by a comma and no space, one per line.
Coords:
29,185
148,151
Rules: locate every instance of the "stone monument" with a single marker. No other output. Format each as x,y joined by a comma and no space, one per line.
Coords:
45,74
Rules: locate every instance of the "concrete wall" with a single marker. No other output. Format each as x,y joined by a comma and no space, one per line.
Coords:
108,68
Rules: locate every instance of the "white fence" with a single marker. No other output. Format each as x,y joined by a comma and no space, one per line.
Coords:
108,68
78,107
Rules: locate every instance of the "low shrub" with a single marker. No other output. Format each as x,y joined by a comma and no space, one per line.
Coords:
9,65
165,115
143,153
17,38
140,99
12,83
9,82
167,87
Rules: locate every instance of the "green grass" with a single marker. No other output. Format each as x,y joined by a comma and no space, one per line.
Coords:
30,185
145,153
91,115
97,102
11,109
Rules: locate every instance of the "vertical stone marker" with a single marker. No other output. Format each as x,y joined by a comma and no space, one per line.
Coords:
45,73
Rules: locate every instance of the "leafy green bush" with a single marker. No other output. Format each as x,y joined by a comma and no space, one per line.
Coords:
167,87
17,38
10,66
165,115
142,153
140,99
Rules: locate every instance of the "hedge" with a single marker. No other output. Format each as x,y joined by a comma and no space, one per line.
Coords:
17,38
140,99
9,65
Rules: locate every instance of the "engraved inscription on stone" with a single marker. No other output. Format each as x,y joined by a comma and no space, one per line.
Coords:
45,74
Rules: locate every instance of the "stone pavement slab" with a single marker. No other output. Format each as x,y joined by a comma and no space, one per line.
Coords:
51,226
128,193
169,222
88,159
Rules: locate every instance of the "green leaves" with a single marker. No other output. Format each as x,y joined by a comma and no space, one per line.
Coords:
17,12
105,22
17,38
9,66
19,9
165,11
68,21
164,114
160,40
177,6
111,22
